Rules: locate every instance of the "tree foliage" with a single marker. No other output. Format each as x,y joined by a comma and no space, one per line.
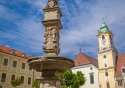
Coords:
36,84
72,80
16,82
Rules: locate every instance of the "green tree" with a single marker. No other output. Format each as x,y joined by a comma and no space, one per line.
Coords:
16,82
72,80
36,84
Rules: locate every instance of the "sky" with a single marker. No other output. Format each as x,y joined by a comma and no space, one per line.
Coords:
21,27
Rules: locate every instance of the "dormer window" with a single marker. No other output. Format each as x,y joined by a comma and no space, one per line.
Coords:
123,70
24,54
91,68
12,51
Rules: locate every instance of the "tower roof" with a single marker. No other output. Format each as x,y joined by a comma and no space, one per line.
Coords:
103,28
119,63
83,59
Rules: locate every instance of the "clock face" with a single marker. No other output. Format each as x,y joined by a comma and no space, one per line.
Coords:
51,3
103,41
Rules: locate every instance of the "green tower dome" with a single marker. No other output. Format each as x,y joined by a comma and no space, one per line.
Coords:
103,28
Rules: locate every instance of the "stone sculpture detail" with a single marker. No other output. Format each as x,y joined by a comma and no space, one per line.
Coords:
51,40
52,3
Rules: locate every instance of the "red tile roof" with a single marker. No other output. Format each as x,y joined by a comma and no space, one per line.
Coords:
85,59
8,50
119,64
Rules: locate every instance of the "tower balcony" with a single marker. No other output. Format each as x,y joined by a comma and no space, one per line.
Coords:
105,49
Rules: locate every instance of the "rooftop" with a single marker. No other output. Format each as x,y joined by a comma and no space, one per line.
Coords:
8,50
82,59
119,64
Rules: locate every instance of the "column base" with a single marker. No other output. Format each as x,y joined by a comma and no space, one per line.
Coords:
49,82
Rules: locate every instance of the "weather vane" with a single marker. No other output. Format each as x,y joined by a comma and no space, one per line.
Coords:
80,49
103,19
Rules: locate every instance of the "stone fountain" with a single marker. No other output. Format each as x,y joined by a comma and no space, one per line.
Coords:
50,64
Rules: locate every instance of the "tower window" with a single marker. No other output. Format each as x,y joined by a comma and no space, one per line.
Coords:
105,65
104,56
103,37
91,79
106,73
107,83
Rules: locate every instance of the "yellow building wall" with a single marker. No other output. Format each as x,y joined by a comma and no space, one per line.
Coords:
17,71
110,77
107,37
109,60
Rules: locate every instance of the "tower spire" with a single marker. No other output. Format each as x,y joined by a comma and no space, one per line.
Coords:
104,28
80,49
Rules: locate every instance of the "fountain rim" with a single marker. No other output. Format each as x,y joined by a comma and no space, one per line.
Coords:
50,57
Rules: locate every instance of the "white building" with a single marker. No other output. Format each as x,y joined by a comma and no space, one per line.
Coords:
89,67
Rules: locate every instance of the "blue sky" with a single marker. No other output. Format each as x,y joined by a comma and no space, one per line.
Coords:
21,28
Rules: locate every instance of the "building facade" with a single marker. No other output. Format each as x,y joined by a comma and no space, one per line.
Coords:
107,57
89,67
13,64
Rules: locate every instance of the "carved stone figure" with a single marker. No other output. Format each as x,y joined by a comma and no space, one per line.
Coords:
51,39
51,34
54,33
52,3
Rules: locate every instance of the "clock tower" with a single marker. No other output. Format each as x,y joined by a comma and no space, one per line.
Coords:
107,56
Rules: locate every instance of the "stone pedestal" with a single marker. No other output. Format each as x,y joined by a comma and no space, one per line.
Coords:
49,82
49,79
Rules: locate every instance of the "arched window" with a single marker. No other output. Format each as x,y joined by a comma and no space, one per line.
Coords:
107,83
105,65
104,56
103,37
91,79
106,73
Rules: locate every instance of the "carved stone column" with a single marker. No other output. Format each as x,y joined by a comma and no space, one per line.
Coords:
52,16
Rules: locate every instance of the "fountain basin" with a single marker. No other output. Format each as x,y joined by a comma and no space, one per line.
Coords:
45,63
